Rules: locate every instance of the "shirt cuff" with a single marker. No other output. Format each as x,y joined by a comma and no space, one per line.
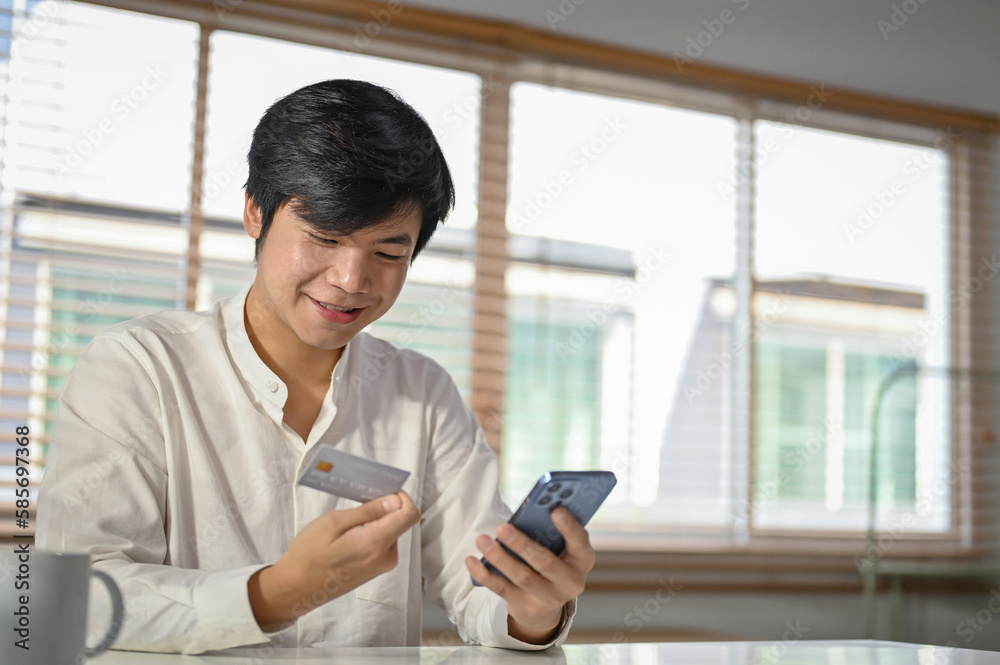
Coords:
225,618
503,639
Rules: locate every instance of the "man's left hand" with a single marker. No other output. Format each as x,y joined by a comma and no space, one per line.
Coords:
535,598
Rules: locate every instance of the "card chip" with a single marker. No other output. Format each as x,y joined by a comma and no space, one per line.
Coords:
325,467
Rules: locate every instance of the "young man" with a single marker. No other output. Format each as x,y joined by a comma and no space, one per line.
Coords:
200,423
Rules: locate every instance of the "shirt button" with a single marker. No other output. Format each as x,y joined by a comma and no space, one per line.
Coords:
272,386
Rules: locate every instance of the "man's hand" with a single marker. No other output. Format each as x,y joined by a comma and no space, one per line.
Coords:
333,554
535,600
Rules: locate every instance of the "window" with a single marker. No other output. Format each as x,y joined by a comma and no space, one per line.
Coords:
625,197
85,243
642,374
728,300
831,209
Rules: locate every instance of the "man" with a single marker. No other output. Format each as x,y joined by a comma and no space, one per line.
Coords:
202,422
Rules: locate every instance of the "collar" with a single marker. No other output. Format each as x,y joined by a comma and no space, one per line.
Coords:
263,381
258,375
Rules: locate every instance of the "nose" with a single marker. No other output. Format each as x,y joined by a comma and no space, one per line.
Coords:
349,271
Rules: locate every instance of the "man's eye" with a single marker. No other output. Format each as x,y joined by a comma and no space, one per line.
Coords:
325,241
393,257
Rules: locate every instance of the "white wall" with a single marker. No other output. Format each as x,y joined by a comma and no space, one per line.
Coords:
943,52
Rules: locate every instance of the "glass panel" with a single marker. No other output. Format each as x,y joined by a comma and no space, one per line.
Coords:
433,315
95,170
100,106
554,398
840,306
619,232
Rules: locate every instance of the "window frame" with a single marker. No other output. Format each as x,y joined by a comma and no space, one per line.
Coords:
502,54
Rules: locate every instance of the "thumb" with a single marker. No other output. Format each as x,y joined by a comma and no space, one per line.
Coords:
370,511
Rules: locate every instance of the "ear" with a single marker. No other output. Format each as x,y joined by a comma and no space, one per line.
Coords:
253,222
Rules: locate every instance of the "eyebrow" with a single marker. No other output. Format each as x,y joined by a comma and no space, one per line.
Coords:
404,239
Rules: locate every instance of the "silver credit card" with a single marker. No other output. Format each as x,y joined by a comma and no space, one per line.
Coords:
350,476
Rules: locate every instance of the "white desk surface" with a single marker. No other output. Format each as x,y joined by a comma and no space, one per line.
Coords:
849,652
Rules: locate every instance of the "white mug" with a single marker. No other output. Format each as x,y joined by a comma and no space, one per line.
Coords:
43,607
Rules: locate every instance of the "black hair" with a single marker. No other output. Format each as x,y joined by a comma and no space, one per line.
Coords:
352,154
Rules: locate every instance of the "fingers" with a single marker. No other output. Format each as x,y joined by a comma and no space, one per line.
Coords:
374,509
348,547
385,518
538,557
406,515
390,516
519,585
578,552
485,576
542,573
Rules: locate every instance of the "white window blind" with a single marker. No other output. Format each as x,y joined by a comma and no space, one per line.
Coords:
629,192
850,246
702,298
95,175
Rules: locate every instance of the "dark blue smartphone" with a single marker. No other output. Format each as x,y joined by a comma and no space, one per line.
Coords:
580,492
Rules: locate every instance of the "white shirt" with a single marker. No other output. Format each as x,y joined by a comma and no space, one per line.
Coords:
171,465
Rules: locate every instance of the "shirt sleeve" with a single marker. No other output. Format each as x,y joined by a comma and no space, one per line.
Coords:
104,492
461,501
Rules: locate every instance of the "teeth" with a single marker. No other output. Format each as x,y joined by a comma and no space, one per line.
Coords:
337,309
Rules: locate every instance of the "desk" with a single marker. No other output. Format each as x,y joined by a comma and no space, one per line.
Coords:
860,652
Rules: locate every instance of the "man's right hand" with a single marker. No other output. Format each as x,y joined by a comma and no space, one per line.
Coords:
335,553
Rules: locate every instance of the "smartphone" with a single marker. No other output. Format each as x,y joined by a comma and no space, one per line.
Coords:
580,492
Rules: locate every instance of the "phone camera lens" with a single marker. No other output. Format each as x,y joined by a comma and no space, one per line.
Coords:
554,487
566,494
544,500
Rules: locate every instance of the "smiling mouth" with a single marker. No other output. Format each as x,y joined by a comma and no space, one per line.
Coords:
334,308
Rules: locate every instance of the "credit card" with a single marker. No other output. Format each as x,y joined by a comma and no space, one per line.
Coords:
350,476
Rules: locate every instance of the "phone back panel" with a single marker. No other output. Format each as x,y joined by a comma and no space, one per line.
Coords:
580,492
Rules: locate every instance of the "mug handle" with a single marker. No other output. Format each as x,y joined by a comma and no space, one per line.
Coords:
117,614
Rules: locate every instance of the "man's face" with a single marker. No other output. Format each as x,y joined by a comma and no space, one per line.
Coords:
323,289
